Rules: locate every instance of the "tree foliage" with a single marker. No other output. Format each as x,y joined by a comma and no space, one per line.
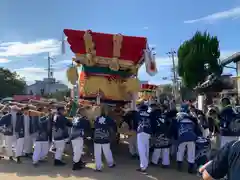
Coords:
198,57
167,88
11,83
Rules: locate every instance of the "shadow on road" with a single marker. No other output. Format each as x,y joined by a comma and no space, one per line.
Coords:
125,169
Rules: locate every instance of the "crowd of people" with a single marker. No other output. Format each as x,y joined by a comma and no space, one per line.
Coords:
168,132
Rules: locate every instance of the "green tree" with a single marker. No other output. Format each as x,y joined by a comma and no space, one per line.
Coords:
11,83
167,88
198,57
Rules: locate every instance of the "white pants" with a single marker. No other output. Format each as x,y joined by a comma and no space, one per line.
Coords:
163,153
132,146
41,149
205,132
226,139
10,142
98,148
77,145
19,147
60,147
190,151
2,142
52,145
143,149
28,143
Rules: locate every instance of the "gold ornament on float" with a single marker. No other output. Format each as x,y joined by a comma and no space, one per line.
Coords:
114,64
117,45
132,85
90,59
72,75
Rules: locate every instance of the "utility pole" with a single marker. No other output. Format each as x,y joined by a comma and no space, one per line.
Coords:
49,72
49,68
172,54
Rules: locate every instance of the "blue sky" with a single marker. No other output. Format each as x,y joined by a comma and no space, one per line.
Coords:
31,29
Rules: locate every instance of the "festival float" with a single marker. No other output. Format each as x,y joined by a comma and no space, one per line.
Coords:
147,93
105,66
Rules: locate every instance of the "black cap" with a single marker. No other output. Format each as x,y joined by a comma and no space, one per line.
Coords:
225,100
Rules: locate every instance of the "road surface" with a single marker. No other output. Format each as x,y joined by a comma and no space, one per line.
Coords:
125,170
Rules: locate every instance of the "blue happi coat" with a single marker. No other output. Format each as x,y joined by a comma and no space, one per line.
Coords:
229,122
19,128
33,124
43,128
186,128
103,128
144,121
131,118
80,128
161,130
6,124
203,148
60,127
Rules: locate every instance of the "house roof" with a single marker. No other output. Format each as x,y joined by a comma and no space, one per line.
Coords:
233,58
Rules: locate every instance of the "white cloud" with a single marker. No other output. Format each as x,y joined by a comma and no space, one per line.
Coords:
63,62
164,65
228,14
226,54
31,48
35,70
145,28
31,74
4,60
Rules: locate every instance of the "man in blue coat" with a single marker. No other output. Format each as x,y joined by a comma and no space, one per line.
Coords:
186,132
81,128
60,134
104,126
144,132
229,122
13,129
41,145
161,136
7,130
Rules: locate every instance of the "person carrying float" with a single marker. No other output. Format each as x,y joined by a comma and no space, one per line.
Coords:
30,128
81,127
42,138
229,122
60,135
2,138
103,126
144,132
13,128
6,123
129,127
161,136
186,132
20,132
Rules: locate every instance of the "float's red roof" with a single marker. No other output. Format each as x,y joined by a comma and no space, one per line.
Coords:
132,47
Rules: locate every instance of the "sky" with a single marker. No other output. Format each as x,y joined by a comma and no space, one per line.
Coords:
29,30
